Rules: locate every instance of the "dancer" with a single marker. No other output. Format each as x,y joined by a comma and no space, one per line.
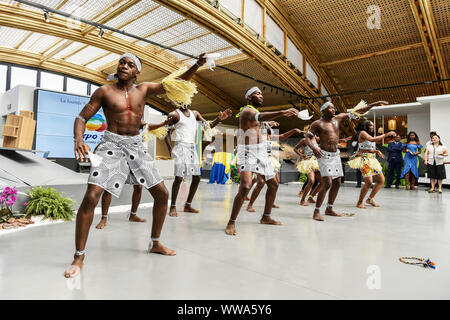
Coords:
412,148
184,152
252,156
267,133
327,154
366,161
121,150
137,188
309,166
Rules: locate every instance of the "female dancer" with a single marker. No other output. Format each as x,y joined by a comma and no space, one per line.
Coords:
412,148
366,161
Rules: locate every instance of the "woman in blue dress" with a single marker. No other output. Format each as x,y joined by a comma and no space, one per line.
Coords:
412,148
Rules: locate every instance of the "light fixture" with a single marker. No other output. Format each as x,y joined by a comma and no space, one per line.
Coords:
46,16
380,130
100,32
392,124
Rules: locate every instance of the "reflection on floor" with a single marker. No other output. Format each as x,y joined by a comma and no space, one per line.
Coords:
341,258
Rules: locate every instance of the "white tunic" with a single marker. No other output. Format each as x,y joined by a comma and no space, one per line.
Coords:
185,128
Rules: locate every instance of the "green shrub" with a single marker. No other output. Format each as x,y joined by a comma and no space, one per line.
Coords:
237,178
50,203
302,178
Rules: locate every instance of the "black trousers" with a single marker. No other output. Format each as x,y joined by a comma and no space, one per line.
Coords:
397,167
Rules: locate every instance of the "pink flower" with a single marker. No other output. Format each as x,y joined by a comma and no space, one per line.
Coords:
25,203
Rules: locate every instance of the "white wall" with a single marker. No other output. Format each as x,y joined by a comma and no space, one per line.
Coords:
18,98
439,122
420,123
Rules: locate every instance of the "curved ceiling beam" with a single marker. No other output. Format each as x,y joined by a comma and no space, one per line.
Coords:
57,65
208,16
24,19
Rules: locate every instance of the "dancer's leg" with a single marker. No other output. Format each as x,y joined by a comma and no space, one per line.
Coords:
326,184
311,180
379,182
271,194
256,191
106,202
83,223
244,189
173,203
192,190
335,185
367,185
160,196
135,200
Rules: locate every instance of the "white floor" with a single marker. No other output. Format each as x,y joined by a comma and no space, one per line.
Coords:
303,259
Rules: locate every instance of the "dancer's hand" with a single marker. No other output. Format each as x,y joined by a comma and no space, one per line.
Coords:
317,152
290,112
201,59
391,134
273,124
169,121
225,114
81,150
380,154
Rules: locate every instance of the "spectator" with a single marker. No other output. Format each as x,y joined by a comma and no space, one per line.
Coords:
412,148
395,160
434,160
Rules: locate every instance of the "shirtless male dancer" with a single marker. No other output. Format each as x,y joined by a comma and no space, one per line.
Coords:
137,188
184,152
121,150
252,155
327,153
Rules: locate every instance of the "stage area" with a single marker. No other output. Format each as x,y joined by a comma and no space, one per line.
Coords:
341,258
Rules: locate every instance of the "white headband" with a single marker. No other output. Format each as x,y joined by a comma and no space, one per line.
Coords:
325,105
251,91
130,56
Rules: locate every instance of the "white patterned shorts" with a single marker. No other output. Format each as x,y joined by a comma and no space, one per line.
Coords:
254,158
330,164
124,160
186,160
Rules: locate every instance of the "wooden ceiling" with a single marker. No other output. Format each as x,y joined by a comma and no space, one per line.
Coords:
413,45
413,38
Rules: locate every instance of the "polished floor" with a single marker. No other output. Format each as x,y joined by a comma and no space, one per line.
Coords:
341,258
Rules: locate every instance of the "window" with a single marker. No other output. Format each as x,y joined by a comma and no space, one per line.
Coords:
253,15
294,55
274,34
52,81
152,110
311,75
93,88
23,76
76,86
234,6
3,70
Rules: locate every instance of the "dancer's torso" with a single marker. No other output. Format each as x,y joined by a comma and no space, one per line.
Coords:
250,130
329,134
185,128
123,109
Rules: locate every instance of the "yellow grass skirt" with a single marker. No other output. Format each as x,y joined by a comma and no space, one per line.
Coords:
309,165
367,163
275,163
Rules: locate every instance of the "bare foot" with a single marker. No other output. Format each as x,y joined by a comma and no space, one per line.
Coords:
303,203
159,248
269,220
190,209
317,216
250,208
330,212
275,206
361,205
372,202
102,223
75,268
311,200
173,212
135,218
300,194
231,229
